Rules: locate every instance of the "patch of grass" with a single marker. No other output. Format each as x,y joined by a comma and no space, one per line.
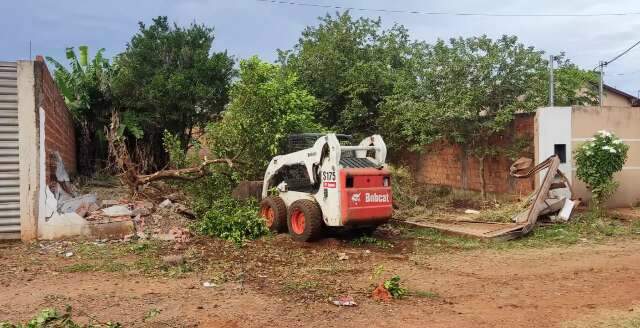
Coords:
582,228
369,240
612,319
152,313
80,267
424,294
503,213
433,241
297,286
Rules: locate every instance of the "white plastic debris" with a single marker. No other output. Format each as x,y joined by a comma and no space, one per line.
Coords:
469,211
117,210
343,256
209,284
565,212
68,254
344,301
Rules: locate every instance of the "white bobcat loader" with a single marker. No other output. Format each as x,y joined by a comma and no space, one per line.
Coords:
325,181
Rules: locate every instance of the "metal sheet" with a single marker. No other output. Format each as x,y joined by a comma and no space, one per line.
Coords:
9,178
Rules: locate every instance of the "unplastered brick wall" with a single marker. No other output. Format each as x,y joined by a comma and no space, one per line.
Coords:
59,127
447,165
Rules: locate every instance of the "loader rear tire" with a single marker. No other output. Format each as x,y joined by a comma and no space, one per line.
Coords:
305,220
274,211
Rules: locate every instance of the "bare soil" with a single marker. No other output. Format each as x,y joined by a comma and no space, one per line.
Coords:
277,282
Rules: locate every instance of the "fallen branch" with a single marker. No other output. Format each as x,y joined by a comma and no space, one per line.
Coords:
189,173
129,173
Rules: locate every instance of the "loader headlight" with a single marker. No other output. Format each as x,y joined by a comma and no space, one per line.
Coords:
385,181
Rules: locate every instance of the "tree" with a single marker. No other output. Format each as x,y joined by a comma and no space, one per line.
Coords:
168,78
86,89
573,86
350,66
267,104
466,93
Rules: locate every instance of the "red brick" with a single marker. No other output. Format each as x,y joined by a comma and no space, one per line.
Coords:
59,127
441,164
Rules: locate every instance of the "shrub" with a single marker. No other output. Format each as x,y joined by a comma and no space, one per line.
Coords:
394,288
597,160
233,220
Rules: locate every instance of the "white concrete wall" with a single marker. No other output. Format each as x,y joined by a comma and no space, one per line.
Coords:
28,150
554,127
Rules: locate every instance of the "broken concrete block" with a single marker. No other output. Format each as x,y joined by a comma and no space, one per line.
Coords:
72,205
166,203
116,211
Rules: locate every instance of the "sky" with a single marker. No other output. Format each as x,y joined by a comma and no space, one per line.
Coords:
250,27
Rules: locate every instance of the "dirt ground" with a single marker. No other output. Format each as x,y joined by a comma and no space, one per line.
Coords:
277,282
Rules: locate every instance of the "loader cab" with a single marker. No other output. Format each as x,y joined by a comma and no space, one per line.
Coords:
296,176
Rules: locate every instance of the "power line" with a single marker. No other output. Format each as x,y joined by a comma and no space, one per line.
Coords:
445,13
621,54
605,63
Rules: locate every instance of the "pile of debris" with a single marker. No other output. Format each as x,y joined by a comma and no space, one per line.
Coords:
68,213
552,201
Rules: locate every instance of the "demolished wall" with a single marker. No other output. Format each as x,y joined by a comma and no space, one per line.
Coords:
59,128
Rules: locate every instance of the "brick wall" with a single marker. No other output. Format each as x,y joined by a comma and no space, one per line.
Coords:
447,165
59,127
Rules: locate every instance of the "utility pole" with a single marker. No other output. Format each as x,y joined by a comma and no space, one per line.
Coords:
551,85
601,77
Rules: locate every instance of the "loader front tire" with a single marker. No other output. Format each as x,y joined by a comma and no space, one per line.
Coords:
274,211
305,220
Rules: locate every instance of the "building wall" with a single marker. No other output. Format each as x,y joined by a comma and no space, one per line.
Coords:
615,100
59,127
447,165
624,122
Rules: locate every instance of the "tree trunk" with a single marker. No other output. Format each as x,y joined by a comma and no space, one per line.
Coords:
464,168
483,187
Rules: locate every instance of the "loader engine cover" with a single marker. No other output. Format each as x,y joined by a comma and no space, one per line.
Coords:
366,196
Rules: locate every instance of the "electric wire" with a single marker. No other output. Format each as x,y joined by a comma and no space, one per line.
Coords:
447,13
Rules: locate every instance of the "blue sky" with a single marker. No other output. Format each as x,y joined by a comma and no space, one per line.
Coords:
249,27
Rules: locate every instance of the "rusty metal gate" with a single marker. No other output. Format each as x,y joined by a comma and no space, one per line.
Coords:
9,179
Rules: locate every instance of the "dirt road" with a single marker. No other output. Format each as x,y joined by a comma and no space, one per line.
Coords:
482,288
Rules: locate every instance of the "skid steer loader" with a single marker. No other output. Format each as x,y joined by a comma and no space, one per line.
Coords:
324,181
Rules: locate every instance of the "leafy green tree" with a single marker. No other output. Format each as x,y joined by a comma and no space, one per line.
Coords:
169,79
467,93
267,104
572,85
86,88
350,66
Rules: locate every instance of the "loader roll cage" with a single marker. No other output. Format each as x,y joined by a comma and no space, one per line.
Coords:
299,167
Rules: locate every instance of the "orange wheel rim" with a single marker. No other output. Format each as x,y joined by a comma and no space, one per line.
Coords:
297,222
268,214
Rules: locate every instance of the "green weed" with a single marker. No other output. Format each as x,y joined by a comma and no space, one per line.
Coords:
368,240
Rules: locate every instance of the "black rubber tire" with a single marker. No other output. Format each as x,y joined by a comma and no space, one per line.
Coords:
313,224
279,211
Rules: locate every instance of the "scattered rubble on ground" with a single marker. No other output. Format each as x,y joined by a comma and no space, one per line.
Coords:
344,301
95,214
